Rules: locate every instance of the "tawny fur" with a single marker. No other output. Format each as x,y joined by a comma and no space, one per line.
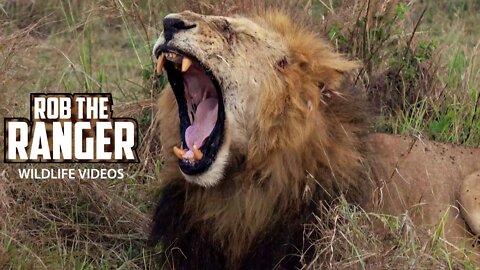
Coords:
295,128
307,131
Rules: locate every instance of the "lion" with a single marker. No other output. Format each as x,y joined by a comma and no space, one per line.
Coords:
260,125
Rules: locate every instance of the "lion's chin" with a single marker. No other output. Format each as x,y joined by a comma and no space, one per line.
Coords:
215,172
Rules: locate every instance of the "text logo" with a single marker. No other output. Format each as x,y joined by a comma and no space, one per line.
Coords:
70,128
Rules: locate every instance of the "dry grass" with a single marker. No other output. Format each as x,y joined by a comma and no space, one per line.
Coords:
420,68
70,223
346,237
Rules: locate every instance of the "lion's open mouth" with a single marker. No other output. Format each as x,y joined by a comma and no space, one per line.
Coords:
201,109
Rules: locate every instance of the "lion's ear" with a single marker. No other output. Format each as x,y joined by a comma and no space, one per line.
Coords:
317,59
331,69
309,53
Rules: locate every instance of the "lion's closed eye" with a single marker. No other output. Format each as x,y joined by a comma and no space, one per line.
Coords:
224,27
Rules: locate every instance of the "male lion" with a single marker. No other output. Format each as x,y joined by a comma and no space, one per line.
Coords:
264,126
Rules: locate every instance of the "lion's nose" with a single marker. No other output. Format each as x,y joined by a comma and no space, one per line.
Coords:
172,26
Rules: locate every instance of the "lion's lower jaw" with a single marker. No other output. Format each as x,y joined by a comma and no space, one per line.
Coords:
215,173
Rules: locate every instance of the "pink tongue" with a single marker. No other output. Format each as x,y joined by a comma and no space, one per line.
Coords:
205,119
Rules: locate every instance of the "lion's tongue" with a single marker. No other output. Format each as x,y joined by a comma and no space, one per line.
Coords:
205,119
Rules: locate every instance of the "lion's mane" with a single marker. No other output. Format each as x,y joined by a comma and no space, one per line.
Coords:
306,148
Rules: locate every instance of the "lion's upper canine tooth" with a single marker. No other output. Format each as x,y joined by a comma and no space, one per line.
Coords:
178,152
197,154
186,63
160,63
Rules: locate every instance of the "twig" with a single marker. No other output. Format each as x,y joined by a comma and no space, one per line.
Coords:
416,26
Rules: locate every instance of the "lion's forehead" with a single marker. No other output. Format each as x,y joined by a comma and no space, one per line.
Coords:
219,40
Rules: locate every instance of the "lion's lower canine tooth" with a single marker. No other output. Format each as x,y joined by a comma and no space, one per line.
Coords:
186,63
178,152
197,154
160,63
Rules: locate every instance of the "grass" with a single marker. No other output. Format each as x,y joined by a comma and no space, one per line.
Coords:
421,69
